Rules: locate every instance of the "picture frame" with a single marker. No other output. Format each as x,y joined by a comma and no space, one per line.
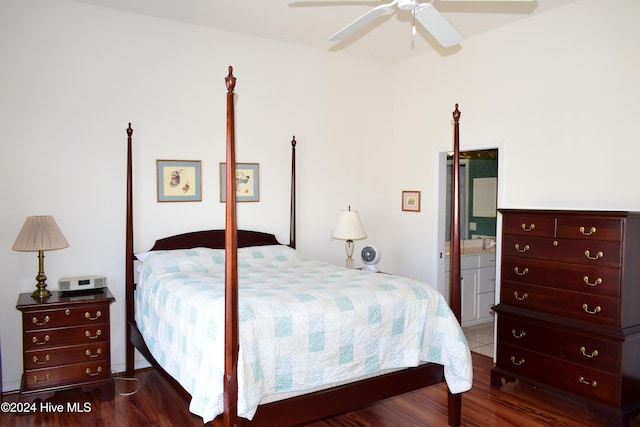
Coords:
247,182
411,201
179,180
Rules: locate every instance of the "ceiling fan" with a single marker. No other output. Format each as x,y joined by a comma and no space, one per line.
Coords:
425,13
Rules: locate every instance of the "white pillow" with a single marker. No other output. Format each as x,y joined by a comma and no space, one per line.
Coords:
142,255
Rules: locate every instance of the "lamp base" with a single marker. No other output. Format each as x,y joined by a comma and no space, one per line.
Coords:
41,294
349,246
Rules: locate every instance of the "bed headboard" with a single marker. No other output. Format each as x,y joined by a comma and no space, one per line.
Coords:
213,239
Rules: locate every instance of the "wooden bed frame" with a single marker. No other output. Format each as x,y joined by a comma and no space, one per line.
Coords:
308,407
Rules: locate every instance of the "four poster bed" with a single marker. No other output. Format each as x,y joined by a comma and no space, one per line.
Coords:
244,291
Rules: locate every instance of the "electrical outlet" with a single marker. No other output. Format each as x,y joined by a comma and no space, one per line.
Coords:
472,226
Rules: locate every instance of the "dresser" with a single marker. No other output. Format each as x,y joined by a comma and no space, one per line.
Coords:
66,344
568,320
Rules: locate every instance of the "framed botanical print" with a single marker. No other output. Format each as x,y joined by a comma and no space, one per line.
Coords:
247,182
179,180
411,201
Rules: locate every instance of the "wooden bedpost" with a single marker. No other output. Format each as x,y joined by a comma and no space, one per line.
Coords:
455,400
129,276
230,415
454,288
292,214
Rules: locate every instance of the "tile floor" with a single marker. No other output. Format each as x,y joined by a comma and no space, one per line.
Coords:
480,338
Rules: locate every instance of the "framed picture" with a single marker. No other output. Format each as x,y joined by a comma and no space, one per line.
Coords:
411,201
247,182
179,180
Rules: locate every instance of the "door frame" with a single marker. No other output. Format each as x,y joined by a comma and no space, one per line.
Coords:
440,201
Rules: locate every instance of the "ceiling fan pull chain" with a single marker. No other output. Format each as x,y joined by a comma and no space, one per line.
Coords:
413,30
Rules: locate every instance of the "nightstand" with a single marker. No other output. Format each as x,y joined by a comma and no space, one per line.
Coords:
65,344
379,271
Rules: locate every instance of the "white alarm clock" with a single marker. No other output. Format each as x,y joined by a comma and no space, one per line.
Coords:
370,257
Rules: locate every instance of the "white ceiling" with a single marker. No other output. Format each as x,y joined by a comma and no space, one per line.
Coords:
311,23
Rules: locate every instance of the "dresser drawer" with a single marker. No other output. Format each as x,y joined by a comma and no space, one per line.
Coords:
588,351
37,359
61,317
576,305
590,228
529,225
564,375
49,338
69,374
574,277
596,253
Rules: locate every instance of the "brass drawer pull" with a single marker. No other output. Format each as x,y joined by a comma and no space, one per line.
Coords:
38,380
36,322
525,249
529,228
583,350
588,254
39,362
36,341
518,335
585,307
93,374
593,383
88,316
93,337
520,298
591,231
98,353
525,271
518,363
67,312
596,283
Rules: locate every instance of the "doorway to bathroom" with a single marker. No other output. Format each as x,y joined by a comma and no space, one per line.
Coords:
480,194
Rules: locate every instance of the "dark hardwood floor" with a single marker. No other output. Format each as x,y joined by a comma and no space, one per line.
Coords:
157,404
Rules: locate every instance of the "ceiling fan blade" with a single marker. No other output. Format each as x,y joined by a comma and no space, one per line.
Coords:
441,29
365,19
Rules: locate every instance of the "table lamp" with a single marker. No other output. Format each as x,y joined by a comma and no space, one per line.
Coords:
40,233
349,228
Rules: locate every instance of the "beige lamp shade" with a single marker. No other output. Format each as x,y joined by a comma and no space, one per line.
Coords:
40,233
349,227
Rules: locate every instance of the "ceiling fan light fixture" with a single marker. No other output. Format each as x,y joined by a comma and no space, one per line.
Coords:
407,4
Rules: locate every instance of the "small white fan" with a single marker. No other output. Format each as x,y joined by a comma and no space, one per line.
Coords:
370,256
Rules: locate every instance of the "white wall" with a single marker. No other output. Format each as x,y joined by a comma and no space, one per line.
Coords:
74,75
559,90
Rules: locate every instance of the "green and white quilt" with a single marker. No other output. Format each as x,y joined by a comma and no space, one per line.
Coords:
304,324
